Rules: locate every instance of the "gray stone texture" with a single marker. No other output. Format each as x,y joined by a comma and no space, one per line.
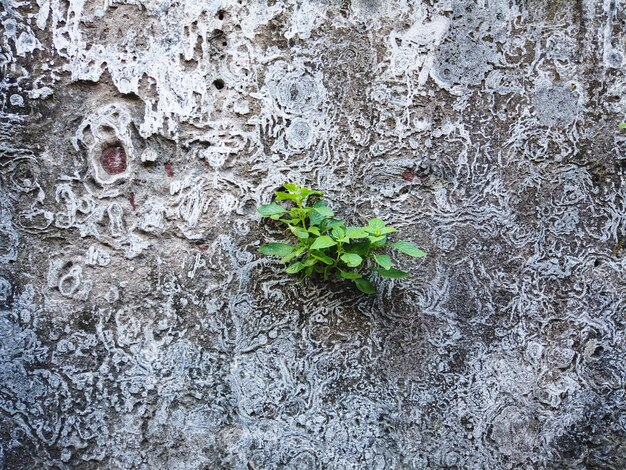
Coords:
141,329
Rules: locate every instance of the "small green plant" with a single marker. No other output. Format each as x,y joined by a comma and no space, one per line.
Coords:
327,245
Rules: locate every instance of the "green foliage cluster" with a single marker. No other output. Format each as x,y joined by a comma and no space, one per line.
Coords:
326,245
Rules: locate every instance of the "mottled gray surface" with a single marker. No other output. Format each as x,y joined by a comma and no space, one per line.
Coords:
139,327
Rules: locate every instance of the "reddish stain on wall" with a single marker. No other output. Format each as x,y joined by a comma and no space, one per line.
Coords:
113,160
168,169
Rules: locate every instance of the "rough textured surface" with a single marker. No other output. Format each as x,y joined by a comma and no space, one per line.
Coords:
139,328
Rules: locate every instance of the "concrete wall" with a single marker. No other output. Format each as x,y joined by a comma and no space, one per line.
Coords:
140,328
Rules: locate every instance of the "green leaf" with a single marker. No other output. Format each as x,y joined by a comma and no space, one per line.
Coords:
377,241
291,187
408,248
338,231
310,261
280,196
349,275
356,232
315,217
277,249
383,260
315,231
330,223
351,259
322,257
365,286
295,267
299,232
268,210
377,227
392,273
322,242
324,211
374,226
360,248
292,255
306,192
622,125
376,223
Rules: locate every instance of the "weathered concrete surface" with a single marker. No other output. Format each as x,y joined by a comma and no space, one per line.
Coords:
139,326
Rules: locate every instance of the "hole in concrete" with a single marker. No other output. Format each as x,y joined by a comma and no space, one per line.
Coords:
598,351
219,84
107,130
217,33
